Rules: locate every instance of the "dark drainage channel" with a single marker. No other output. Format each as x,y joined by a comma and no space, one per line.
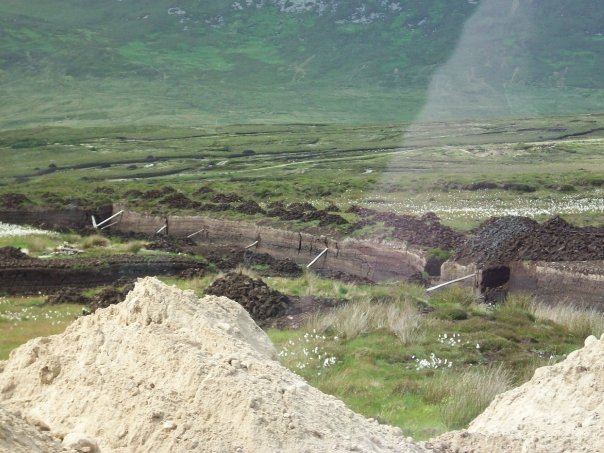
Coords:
494,284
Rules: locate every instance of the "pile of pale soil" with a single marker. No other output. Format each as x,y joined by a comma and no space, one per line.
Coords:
19,436
561,409
165,371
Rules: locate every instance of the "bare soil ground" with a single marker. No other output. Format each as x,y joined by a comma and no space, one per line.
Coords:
25,275
260,301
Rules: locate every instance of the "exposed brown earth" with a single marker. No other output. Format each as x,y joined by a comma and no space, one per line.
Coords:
12,253
13,200
110,296
507,239
426,231
33,276
260,301
67,295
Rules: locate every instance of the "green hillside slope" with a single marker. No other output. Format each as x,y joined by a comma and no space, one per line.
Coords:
188,61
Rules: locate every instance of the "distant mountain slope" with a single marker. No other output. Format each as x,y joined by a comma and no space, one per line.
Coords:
289,60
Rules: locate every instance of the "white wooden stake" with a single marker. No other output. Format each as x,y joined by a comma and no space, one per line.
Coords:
193,234
448,283
96,225
161,229
111,224
251,245
315,260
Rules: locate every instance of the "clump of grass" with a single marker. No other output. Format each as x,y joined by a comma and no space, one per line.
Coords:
471,392
582,322
96,240
134,246
454,295
362,317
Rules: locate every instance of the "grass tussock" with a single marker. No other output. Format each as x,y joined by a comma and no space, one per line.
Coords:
470,392
582,322
357,318
93,241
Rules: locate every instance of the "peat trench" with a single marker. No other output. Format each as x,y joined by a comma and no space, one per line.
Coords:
553,260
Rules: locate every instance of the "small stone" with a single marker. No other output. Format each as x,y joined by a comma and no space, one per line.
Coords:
169,425
157,414
235,363
81,442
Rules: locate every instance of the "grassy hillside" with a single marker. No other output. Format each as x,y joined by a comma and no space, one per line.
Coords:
192,62
465,172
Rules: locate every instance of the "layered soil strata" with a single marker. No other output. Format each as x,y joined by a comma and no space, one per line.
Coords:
33,276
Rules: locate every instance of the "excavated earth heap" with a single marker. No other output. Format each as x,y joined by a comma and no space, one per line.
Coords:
501,240
561,409
166,371
19,436
260,301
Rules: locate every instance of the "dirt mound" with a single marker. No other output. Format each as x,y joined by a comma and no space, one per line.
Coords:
305,212
13,200
159,193
109,296
274,266
304,206
203,190
213,207
559,410
227,198
227,258
165,371
506,239
325,218
12,253
493,239
67,296
250,207
19,436
260,301
286,268
171,244
426,231
557,240
179,200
